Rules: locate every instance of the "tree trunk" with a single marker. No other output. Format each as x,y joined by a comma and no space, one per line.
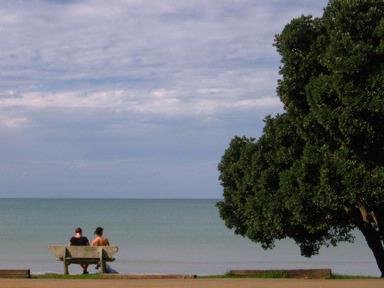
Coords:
372,236
375,244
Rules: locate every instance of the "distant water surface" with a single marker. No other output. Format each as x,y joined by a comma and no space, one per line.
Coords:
154,236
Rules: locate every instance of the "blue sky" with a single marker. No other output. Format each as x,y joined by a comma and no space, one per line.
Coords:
133,98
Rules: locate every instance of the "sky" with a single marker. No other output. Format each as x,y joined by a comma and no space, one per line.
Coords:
133,98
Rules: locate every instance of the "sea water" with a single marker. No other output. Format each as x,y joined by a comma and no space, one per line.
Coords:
155,236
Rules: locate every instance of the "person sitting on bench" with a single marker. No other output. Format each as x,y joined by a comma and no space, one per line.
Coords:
102,241
80,240
99,239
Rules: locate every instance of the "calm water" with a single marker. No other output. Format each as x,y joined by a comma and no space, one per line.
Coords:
154,236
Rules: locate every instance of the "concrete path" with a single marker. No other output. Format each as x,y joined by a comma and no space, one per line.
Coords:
190,283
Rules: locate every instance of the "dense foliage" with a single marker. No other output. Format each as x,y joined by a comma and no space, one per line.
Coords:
317,171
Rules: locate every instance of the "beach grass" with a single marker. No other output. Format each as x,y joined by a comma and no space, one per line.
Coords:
265,275
63,276
220,276
346,277
281,275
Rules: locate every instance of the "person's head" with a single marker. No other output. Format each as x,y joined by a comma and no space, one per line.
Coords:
99,231
78,231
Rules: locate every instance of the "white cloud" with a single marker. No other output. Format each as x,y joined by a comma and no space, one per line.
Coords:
164,42
157,102
191,57
13,122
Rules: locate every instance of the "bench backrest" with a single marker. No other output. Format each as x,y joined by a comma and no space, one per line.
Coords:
84,252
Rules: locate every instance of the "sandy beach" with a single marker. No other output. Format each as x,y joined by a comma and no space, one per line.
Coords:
191,283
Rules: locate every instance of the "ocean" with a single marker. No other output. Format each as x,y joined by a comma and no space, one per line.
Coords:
155,236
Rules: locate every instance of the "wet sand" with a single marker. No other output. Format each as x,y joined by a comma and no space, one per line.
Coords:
190,283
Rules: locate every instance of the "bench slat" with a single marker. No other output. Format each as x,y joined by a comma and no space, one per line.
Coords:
83,251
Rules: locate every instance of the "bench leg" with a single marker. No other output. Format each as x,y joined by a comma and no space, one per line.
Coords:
102,265
102,261
66,272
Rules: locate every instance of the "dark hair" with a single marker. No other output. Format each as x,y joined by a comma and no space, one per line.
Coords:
78,230
99,231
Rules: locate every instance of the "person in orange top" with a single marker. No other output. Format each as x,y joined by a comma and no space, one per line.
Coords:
99,239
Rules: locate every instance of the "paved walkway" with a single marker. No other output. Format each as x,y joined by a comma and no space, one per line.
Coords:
191,283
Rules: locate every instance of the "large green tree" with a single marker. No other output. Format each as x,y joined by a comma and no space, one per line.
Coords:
317,171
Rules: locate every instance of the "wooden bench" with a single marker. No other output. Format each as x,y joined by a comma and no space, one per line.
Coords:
84,255
15,273
287,273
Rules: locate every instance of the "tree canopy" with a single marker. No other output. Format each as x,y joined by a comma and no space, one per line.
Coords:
317,171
